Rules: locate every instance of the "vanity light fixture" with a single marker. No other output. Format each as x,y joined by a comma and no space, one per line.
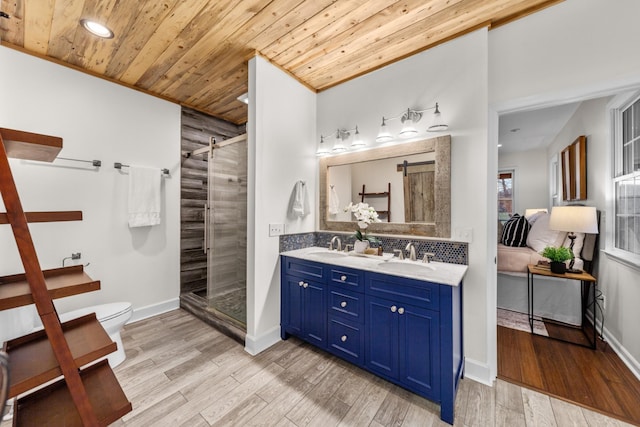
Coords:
409,120
323,150
338,145
96,28
340,137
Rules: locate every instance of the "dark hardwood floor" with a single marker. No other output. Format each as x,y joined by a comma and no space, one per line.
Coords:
595,379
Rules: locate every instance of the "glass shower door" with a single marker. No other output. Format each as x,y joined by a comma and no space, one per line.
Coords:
227,232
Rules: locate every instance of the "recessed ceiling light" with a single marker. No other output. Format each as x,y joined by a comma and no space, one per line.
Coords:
499,145
97,29
244,98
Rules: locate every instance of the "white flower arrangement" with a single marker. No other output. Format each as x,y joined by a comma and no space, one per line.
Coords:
365,215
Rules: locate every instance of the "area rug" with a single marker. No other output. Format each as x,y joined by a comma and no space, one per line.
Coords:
520,321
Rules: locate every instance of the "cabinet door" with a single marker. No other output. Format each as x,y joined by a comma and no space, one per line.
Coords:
292,305
382,336
419,349
314,323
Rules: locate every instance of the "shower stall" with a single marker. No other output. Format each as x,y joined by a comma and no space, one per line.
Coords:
226,230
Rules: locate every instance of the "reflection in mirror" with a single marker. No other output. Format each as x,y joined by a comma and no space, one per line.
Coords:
399,188
408,184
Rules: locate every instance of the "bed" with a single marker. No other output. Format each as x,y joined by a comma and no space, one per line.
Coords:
557,299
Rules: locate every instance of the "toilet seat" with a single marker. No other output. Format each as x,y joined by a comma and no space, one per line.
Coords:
103,312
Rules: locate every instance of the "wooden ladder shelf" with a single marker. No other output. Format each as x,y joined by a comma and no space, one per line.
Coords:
384,194
89,396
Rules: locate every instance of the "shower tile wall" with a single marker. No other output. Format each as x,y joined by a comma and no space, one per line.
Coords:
197,128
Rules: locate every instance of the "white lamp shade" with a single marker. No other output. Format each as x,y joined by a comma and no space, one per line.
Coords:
579,219
408,129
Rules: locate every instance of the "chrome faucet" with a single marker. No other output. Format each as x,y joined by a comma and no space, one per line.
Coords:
400,253
427,257
412,251
338,247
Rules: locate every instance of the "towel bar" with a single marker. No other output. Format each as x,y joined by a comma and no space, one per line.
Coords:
119,165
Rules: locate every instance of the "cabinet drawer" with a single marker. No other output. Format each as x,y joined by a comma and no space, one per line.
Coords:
400,289
346,278
345,304
346,340
301,267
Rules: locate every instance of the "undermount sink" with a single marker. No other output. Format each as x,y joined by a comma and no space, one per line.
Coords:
407,267
328,254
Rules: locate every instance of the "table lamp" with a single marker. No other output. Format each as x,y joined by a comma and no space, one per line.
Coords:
574,219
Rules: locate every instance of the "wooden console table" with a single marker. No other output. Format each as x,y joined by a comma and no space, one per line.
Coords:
588,282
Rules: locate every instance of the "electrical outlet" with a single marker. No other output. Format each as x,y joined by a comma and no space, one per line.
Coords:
604,302
276,229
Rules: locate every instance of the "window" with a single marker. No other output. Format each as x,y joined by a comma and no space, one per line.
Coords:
627,177
505,195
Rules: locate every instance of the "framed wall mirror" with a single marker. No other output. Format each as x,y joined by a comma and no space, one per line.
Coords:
574,170
408,184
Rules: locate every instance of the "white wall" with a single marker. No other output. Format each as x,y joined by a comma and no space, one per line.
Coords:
563,51
455,75
618,282
577,50
281,129
97,120
531,178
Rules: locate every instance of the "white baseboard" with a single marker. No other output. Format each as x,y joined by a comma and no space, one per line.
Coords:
154,309
477,371
254,345
618,348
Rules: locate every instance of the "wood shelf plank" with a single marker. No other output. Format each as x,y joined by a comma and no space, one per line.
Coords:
33,363
53,405
46,216
30,146
61,282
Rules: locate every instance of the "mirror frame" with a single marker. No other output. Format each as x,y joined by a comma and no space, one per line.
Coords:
441,228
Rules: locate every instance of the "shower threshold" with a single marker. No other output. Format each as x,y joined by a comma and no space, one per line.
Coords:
198,306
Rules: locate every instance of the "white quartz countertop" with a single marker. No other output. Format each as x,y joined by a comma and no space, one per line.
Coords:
437,272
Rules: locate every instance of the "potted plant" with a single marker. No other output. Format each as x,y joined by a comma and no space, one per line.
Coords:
365,215
557,256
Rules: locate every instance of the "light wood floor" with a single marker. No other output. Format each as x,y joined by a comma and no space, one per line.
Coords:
179,371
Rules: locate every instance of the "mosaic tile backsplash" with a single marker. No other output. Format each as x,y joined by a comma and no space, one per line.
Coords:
445,251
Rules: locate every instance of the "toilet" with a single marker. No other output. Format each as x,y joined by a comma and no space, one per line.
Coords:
112,317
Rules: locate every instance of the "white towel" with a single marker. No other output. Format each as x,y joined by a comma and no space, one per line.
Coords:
334,202
300,205
144,196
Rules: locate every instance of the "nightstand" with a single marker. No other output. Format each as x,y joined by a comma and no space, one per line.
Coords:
588,283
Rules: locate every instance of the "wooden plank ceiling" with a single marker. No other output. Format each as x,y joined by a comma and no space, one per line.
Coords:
195,52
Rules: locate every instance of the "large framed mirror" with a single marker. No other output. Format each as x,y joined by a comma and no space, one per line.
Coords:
408,184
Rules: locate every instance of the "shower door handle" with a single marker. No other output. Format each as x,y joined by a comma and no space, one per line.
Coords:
205,245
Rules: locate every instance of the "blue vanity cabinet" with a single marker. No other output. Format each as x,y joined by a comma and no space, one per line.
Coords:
403,345
346,313
414,336
303,304
404,330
